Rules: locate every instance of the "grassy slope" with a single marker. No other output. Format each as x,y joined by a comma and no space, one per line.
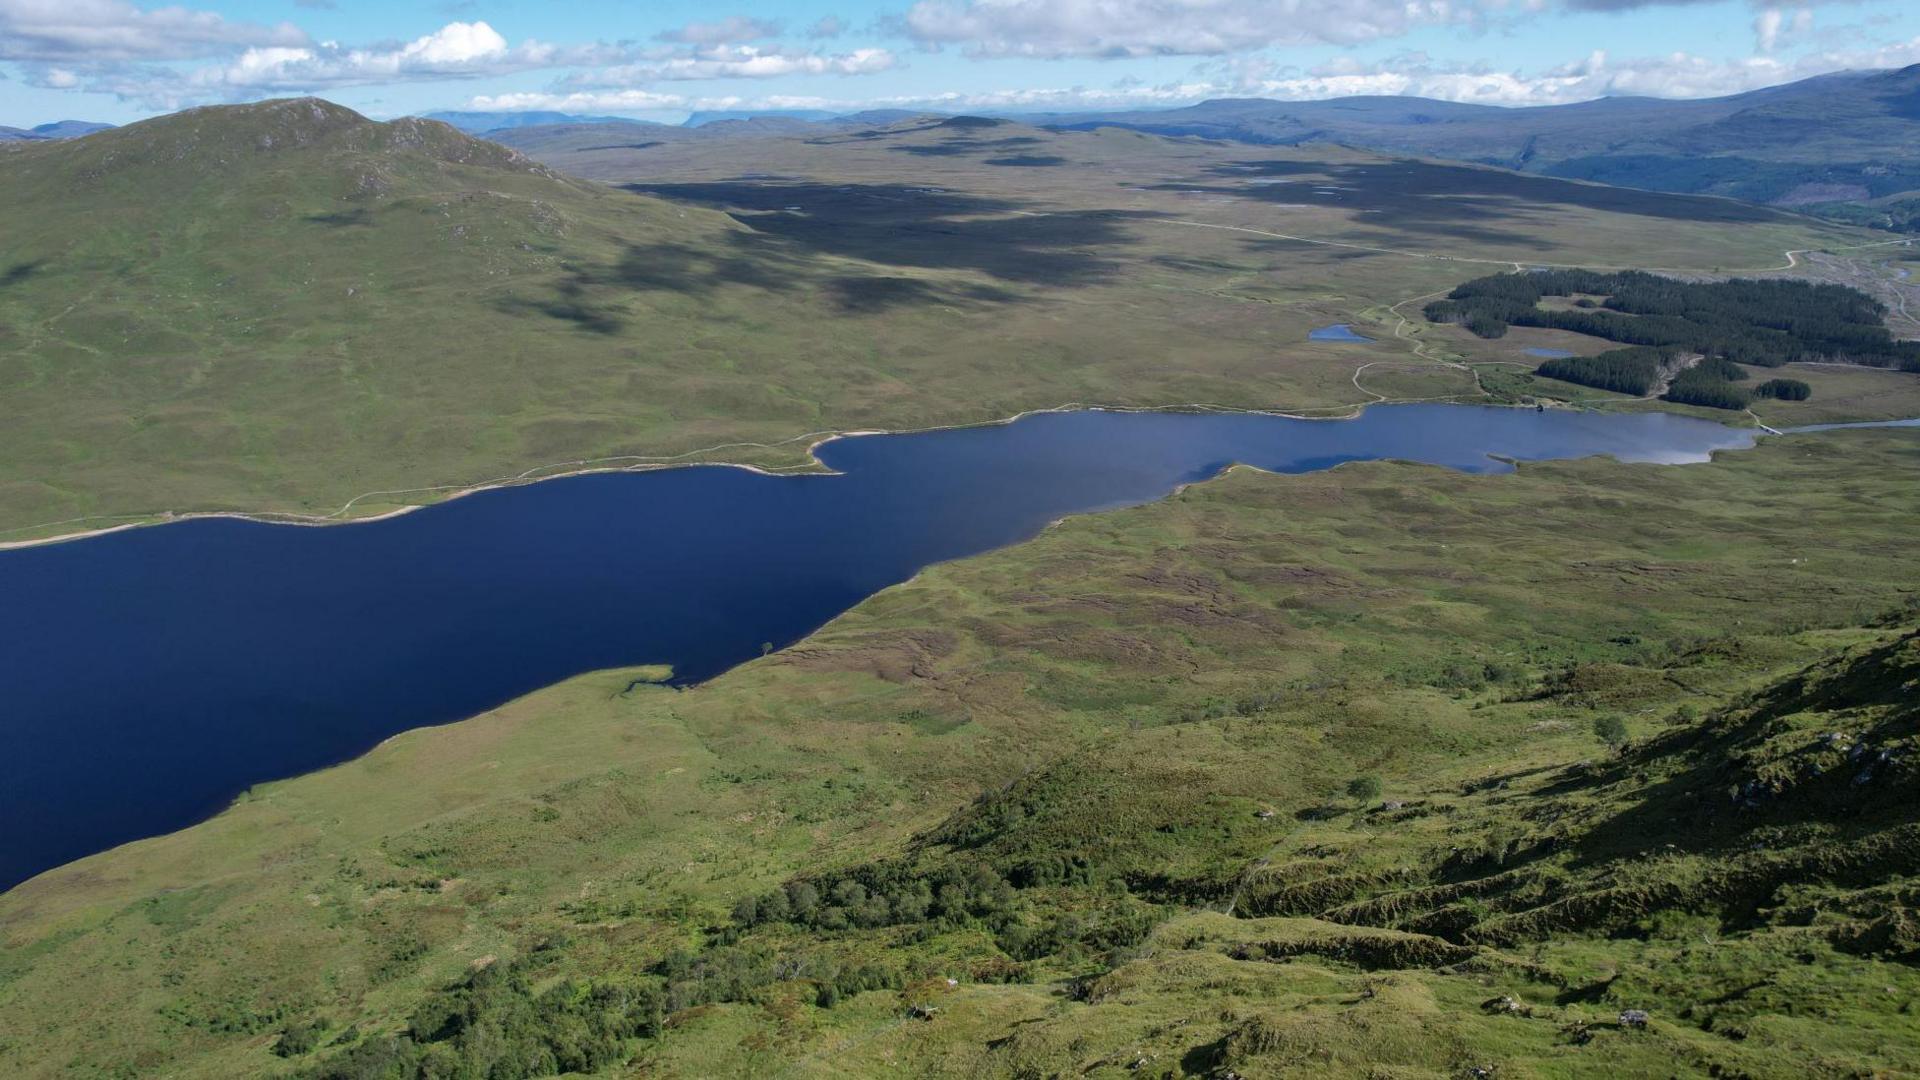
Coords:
1139,683
280,307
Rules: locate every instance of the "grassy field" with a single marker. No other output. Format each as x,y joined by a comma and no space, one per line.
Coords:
1141,726
278,308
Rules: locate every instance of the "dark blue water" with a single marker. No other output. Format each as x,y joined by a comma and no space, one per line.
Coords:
1336,332
151,675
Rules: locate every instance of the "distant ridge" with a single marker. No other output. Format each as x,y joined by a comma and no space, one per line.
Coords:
479,123
482,122
1845,145
702,119
58,129
546,139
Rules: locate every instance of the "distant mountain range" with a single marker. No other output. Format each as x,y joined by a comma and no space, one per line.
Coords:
701,119
740,121
1845,145
59,129
475,123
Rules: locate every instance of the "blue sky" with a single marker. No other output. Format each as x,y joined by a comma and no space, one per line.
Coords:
118,60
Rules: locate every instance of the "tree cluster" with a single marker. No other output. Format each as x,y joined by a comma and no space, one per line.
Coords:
952,896
1763,323
1710,383
1633,371
881,895
494,1024
1784,389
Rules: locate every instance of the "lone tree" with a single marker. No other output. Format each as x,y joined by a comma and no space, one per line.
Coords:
1363,788
1611,730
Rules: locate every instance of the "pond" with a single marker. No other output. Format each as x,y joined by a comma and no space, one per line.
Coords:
1549,354
152,674
1336,332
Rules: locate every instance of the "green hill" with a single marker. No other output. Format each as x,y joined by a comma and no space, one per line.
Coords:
247,305
1626,739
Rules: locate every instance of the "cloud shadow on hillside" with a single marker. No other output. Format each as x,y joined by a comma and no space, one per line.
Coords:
1457,201
921,228
791,225
958,147
20,272
341,219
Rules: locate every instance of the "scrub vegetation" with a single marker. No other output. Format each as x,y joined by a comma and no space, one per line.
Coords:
1591,769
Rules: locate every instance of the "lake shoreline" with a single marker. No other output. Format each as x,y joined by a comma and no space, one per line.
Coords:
481,533
812,467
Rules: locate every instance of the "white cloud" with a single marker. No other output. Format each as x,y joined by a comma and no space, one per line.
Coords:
1021,100
97,32
456,50
828,26
1678,75
455,43
1674,75
1772,24
599,101
1633,5
736,62
736,28
1132,28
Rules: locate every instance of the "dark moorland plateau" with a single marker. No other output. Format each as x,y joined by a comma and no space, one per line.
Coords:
1524,711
